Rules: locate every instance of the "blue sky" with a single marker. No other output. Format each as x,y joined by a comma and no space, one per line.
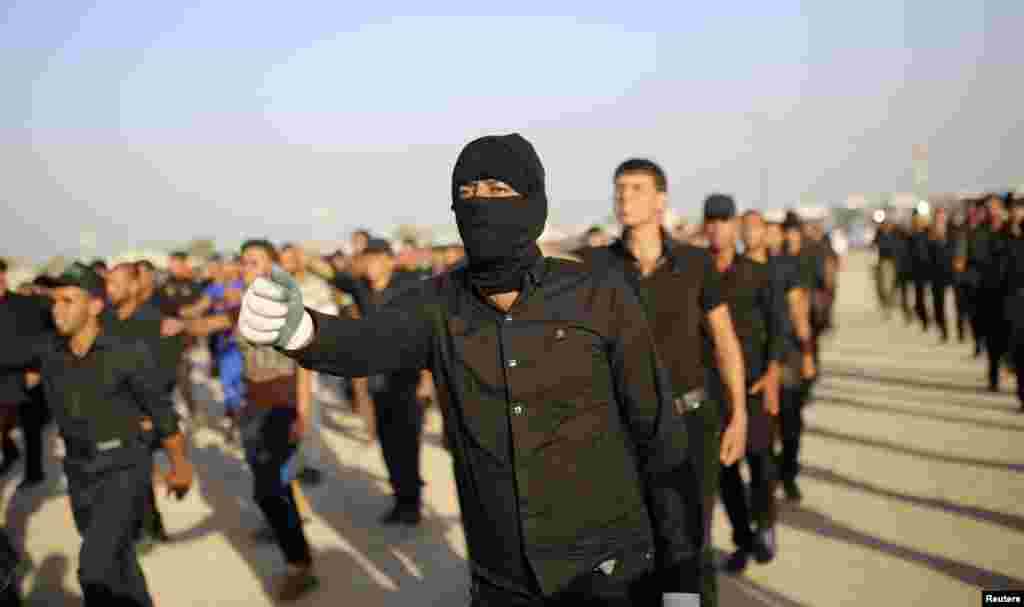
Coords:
162,121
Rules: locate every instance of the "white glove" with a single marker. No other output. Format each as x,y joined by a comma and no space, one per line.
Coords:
273,315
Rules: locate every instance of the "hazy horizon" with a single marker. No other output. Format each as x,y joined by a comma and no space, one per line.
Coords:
147,123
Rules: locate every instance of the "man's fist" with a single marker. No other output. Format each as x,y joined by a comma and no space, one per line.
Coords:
272,313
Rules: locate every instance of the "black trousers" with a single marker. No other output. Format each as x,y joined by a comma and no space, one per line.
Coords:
107,497
704,426
991,308
34,415
594,590
791,426
973,296
760,507
939,289
400,430
271,454
963,310
920,309
903,285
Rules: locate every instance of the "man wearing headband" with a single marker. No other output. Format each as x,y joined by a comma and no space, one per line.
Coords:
566,447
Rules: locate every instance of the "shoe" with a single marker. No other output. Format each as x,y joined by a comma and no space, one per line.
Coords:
296,583
764,545
793,493
403,514
28,484
737,562
311,477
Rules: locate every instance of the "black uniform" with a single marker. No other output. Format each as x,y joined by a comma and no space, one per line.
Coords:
677,298
986,261
793,272
888,245
98,401
757,306
1013,288
940,255
561,397
961,286
921,271
144,326
399,415
905,272
22,317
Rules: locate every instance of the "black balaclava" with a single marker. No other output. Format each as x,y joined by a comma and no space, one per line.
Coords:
500,234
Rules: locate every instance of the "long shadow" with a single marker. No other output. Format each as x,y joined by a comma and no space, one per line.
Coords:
819,523
868,406
903,381
741,590
420,562
941,457
1010,521
946,399
48,586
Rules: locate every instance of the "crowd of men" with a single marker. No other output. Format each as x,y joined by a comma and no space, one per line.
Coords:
977,253
639,372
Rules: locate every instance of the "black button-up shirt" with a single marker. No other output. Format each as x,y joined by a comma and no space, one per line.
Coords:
757,306
101,396
21,317
677,298
556,411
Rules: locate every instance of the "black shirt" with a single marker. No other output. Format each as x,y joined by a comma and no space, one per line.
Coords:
21,316
101,396
985,254
757,305
369,302
677,298
940,259
554,413
888,245
177,293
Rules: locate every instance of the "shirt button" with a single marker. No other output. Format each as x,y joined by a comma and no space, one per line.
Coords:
513,362
517,409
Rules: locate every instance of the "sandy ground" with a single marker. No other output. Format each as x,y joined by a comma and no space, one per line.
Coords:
913,482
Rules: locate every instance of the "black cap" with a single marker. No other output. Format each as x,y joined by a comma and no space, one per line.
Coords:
792,221
85,278
719,206
378,245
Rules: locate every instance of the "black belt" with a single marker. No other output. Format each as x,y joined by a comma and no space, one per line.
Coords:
81,449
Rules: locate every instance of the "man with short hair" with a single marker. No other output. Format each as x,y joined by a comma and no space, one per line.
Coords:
681,294
391,398
801,366
126,319
550,388
100,388
179,291
986,259
757,307
273,422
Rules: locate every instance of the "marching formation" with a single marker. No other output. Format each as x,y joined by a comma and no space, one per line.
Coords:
641,373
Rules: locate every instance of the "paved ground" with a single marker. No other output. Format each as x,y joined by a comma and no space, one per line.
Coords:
914,485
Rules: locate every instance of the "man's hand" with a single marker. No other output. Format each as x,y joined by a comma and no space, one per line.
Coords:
768,386
425,393
146,423
300,427
169,327
807,368
179,479
32,379
273,315
734,439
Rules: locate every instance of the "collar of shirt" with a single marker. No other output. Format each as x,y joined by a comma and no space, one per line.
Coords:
668,253
534,278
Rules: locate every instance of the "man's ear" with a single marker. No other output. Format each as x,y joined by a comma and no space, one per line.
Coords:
96,306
